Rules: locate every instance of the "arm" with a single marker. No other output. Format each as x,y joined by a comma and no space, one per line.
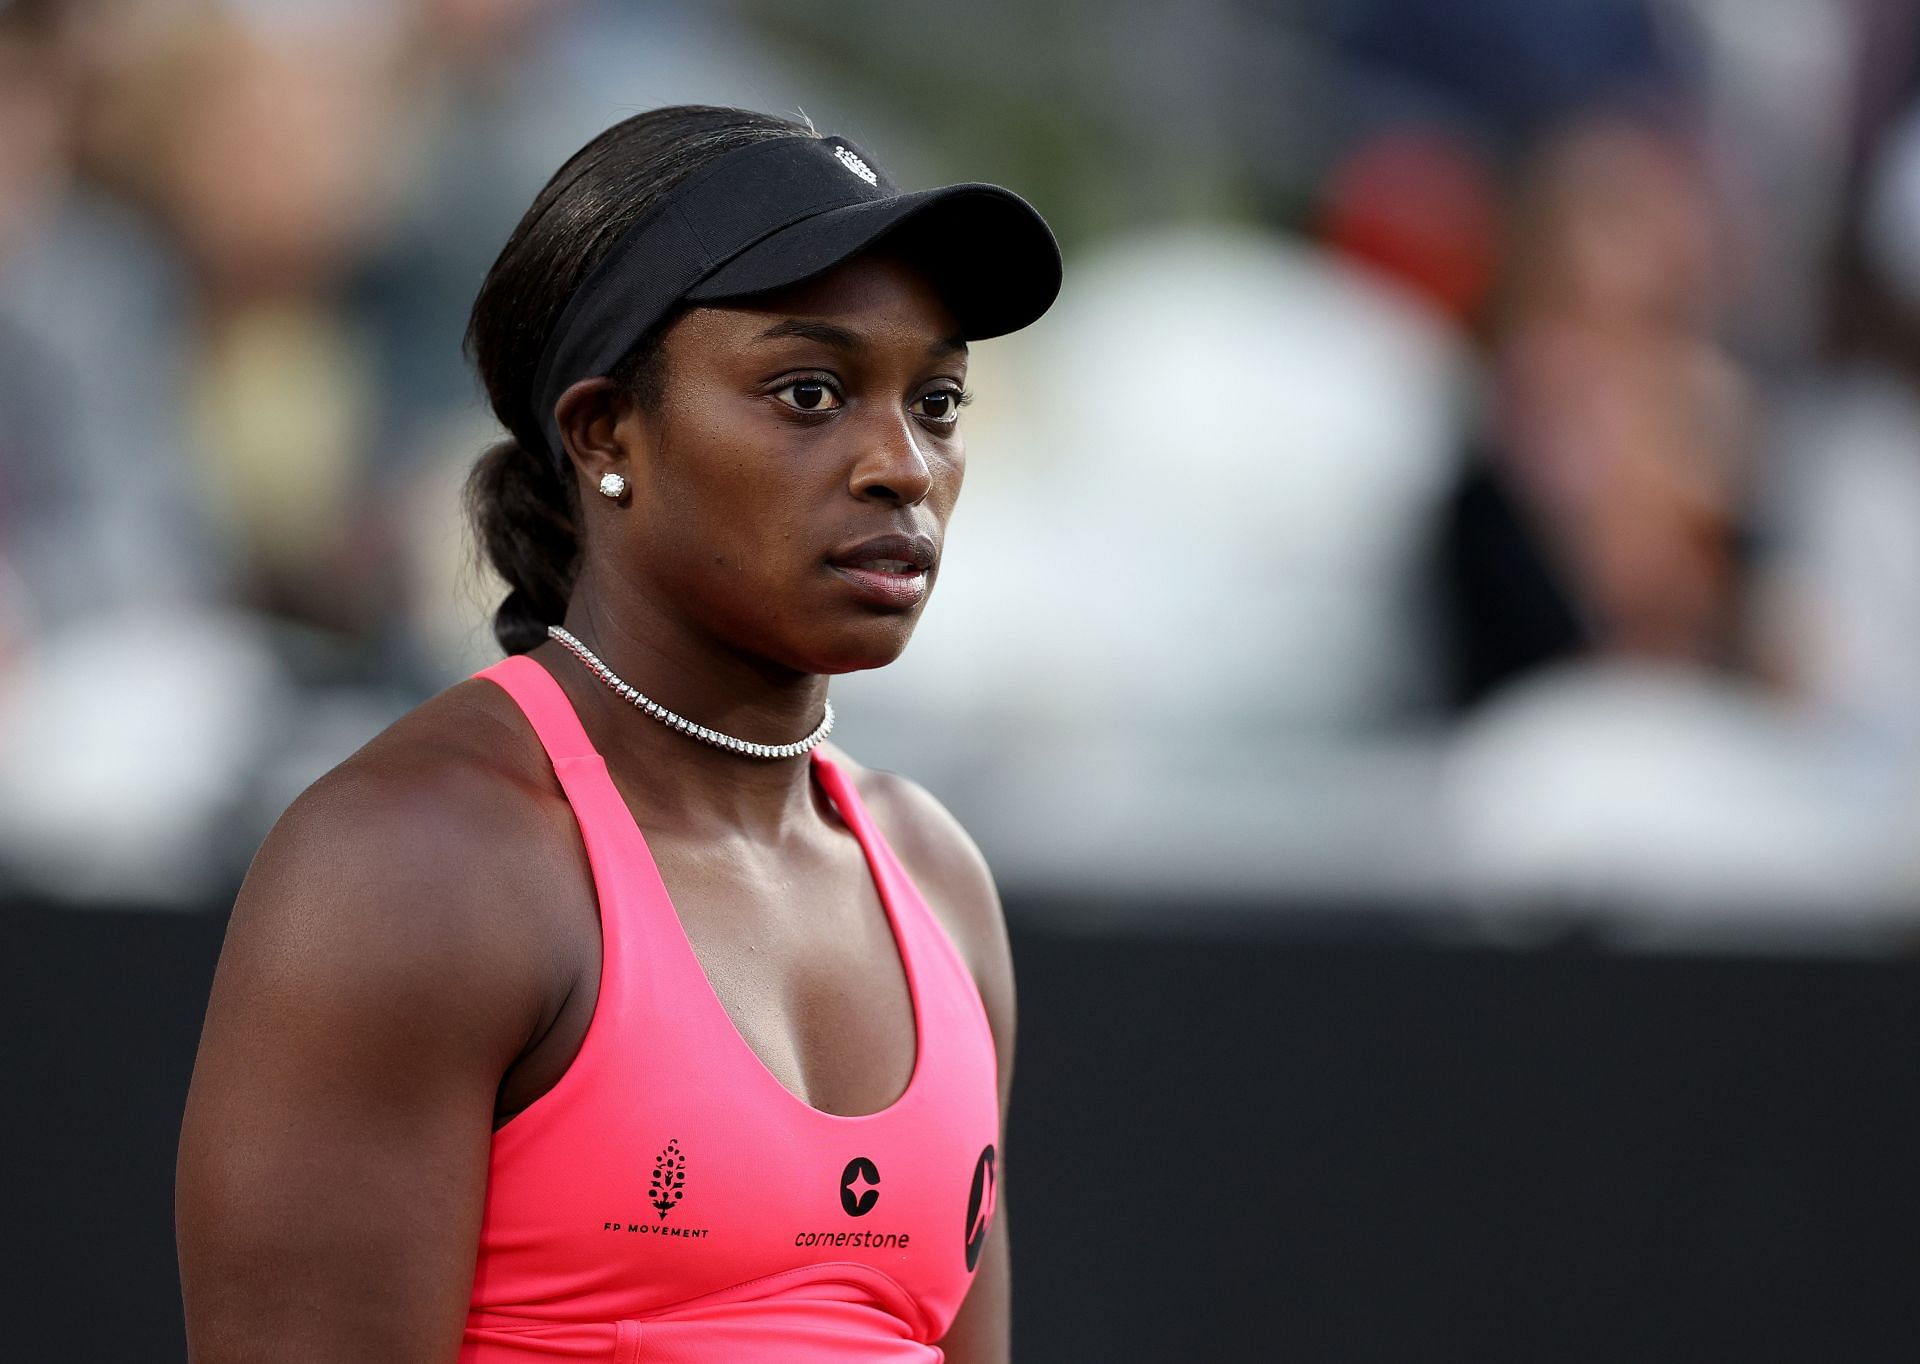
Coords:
371,993
959,887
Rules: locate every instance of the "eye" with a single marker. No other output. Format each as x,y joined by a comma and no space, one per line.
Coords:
809,395
943,404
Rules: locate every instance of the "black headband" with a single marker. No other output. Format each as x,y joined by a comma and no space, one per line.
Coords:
774,213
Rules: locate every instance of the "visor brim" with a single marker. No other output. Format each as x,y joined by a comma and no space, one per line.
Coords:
989,252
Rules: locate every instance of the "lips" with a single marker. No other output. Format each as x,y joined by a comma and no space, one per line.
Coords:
888,570
890,554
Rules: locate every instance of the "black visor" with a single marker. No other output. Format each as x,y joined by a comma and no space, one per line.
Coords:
781,211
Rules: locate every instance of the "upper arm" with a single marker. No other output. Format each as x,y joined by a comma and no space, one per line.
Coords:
953,876
333,1157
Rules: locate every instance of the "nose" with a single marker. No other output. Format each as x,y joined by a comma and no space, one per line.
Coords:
891,467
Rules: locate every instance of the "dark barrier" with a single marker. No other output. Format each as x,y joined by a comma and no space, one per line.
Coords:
1222,1150
1247,1150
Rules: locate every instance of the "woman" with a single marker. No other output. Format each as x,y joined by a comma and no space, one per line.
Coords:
489,1075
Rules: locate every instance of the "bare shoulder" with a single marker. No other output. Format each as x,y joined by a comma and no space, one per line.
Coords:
464,759
432,796
423,848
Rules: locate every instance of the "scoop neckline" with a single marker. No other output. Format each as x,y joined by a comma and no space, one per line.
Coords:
852,812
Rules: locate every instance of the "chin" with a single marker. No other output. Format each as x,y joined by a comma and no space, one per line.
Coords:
872,644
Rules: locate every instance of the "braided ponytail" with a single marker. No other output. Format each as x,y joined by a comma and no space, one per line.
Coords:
524,516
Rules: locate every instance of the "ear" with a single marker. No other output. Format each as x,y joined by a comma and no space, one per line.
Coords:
599,425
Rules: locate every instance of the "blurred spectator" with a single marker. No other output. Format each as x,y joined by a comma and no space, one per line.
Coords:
1603,513
96,510
258,138
1636,748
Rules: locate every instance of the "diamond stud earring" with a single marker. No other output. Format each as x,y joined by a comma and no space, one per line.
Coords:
612,485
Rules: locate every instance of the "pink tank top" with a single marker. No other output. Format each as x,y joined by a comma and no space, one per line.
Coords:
670,1200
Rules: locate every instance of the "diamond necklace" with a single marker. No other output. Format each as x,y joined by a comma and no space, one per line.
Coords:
681,722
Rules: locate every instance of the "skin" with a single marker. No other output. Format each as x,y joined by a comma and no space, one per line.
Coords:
415,953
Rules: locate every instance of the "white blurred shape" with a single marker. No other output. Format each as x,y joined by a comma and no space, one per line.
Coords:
1842,509
123,741
1892,208
1207,497
1632,788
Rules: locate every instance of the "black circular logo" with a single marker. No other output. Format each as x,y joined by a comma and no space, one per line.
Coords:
979,1207
858,1202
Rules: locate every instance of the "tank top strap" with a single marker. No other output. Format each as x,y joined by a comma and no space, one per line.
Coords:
622,869
597,803
846,799
947,997
546,707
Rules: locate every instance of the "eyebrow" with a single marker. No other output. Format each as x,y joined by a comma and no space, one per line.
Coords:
829,334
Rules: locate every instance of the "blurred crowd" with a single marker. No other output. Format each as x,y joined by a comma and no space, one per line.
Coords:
1474,464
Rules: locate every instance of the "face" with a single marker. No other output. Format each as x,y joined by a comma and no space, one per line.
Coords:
790,494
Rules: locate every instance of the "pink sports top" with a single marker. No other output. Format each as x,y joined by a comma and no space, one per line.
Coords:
670,1200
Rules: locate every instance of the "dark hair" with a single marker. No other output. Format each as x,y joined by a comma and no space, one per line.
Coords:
525,513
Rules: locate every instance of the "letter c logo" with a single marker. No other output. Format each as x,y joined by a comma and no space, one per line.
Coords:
856,1201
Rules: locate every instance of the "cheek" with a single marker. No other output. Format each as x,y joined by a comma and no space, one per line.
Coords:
948,474
744,507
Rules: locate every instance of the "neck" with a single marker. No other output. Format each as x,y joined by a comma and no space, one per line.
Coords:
692,783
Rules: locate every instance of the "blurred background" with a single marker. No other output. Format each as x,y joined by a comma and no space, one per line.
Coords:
1430,644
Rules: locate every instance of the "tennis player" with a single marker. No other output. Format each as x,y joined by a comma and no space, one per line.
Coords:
599,1009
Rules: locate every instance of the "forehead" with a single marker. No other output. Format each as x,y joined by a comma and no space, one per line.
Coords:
885,298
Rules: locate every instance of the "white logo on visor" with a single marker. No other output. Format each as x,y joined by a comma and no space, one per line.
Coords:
855,164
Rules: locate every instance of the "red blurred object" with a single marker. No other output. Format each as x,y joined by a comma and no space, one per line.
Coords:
1420,206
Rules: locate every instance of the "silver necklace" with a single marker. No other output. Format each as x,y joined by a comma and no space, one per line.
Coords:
681,722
